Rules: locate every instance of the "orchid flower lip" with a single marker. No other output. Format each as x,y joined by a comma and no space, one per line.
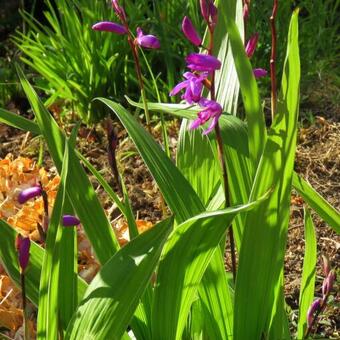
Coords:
147,40
108,26
29,193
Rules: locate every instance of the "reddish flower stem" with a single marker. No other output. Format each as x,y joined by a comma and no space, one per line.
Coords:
221,158
273,60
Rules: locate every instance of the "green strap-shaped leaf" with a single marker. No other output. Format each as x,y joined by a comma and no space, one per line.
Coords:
184,260
308,274
197,160
176,190
216,296
327,212
113,295
12,119
48,309
249,89
258,282
9,259
80,190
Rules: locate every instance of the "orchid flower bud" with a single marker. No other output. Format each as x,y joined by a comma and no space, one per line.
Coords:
23,247
147,41
259,72
213,14
202,62
108,26
327,284
204,9
314,307
326,265
29,193
119,10
209,12
245,12
251,45
70,221
190,32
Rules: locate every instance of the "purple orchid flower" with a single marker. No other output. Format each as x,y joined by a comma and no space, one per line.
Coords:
193,87
147,41
259,72
212,110
23,247
109,26
29,193
70,221
202,62
190,32
251,45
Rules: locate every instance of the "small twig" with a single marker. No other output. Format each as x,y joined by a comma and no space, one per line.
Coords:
273,59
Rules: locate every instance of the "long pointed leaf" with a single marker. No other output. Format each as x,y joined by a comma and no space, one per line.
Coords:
258,282
113,295
184,260
308,274
80,192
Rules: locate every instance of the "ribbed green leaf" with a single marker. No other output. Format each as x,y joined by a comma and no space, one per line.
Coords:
178,110
258,282
197,160
113,295
217,298
185,257
12,119
176,190
80,190
308,274
327,212
249,89
9,259
48,309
